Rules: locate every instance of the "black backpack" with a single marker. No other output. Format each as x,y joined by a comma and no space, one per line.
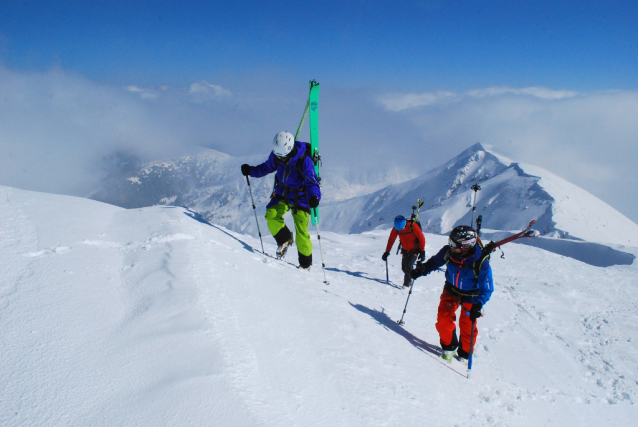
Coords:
476,265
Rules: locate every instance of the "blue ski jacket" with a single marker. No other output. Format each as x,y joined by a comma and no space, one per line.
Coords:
460,275
295,180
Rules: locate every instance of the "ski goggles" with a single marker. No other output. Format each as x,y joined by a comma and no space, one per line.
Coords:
462,245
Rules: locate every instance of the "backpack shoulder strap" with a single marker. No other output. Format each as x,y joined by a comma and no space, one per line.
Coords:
478,264
446,257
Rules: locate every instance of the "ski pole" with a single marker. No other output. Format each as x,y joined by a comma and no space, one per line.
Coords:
469,358
387,275
303,119
401,322
255,211
323,265
475,188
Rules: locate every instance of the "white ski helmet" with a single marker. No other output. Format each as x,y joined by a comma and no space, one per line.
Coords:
283,144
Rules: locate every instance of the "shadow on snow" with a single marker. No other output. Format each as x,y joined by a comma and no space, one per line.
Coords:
362,275
384,320
199,218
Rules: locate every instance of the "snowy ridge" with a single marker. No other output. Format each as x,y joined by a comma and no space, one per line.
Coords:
153,317
511,196
210,183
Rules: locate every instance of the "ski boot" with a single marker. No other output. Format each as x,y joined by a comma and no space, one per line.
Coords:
281,250
448,355
304,268
461,359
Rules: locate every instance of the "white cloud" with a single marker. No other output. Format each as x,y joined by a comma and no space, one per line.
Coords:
146,93
538,92
204,91
400,102
55,129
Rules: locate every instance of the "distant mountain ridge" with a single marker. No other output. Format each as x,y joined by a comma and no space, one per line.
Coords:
512,194
210,183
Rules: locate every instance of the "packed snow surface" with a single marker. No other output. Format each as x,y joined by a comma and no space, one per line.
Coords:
147,317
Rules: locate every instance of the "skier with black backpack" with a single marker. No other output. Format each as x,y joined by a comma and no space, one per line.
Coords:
468,283
412,243
296,188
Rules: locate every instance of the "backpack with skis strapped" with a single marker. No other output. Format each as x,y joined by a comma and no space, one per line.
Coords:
299,168
312,110
414,219
492,246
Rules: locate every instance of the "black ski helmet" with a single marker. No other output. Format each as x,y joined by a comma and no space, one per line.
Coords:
462,237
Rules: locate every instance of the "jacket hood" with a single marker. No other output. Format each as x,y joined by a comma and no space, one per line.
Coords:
300,148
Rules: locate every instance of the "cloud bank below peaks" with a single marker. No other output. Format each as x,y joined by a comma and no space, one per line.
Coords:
60,132
404,101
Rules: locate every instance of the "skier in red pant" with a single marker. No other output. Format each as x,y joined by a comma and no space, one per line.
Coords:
468,283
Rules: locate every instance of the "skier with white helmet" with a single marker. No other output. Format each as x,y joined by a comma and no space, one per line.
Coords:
296,189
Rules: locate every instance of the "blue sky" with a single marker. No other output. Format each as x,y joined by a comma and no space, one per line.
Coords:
415,45
551,83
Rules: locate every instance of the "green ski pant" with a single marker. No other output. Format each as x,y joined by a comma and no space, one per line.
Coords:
275,220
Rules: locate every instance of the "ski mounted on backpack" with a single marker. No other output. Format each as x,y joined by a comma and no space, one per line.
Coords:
479,222
527,232
414,218
486,250
476,188
312,110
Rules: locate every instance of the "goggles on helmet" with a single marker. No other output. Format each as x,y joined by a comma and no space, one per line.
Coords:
463,244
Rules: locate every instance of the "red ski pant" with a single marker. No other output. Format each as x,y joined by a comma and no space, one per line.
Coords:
446,322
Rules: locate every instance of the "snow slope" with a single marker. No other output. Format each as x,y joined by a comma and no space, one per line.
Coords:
153,316
511,195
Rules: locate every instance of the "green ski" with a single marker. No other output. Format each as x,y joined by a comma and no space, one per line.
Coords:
312,107
313,100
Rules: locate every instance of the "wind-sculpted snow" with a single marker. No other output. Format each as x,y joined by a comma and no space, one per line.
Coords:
595,254
155,316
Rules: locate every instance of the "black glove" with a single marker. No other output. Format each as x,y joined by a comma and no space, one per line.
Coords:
313,201
245,169
385,256
475,312
422,256
417,272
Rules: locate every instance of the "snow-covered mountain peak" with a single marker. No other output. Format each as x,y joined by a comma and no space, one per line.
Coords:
511,195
